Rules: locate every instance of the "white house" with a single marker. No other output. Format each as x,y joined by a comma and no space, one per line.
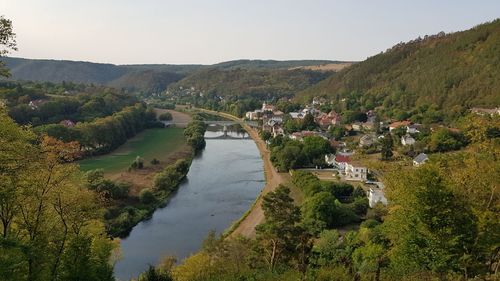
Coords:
355,173
267,107
407,140
330,159
412,129
297,115
420,159
376,195
254,115
277,131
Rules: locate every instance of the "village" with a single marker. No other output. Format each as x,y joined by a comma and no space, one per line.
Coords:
353,148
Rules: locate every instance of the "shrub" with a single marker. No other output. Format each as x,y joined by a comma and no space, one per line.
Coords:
147,197
137,164
165,116
155,161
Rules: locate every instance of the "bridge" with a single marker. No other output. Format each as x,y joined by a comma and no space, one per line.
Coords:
225,136
214,122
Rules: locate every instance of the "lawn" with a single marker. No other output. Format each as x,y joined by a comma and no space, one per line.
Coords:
149,144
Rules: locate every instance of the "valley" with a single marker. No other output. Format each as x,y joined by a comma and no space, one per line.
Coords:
387,168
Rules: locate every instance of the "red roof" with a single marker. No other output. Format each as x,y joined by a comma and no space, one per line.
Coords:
400,124
342,158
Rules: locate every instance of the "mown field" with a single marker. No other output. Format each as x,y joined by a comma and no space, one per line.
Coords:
149,144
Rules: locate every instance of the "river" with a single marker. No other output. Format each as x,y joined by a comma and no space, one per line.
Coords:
220,187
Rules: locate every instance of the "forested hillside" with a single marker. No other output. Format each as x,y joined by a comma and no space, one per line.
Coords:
146,78
271,64
444,73
244,82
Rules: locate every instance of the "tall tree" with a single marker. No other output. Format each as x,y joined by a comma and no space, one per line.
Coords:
7,43
277,235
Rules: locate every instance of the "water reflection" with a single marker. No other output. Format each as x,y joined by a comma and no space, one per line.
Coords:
222,184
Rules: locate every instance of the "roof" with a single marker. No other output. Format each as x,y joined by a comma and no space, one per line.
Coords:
399,124
421,158
342,158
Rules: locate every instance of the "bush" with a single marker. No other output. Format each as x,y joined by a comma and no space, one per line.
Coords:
166,116
137,164
147,197
360,206
155,161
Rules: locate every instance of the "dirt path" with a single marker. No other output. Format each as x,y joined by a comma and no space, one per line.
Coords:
256,215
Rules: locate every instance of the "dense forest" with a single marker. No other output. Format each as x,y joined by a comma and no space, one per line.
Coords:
241,82
436,77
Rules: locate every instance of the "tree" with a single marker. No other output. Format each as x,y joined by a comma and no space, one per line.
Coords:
41,191
7,43
308,122
430,228
318,211
277,235
166,116
445,140
386,150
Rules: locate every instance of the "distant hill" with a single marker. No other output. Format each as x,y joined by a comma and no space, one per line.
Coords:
146,77
271,64
133,77
446,73
239,82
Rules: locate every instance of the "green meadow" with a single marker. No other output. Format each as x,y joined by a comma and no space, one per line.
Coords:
152,143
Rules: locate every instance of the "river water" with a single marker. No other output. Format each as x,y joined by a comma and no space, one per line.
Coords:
221,185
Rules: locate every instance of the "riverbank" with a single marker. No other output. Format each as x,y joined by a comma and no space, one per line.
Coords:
255,215
131,195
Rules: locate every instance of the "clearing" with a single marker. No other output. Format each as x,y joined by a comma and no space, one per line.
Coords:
152,143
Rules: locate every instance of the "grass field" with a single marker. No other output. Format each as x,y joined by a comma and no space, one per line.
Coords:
149,144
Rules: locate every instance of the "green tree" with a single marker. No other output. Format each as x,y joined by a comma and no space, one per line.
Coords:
277,235
7,43
308,123
387,145
430,228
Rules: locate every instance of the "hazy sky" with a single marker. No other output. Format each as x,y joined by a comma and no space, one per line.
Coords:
210,31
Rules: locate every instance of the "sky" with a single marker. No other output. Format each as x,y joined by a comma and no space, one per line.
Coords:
211,31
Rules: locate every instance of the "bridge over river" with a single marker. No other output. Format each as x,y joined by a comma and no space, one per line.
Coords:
214,122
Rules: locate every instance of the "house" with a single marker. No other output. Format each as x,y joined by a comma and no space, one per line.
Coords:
413,129
420,159
254,115
67,123
277,131
376,195
330,159
367,140
355,173
357,126
341,161
398,124
334,117
278,113
407,140
268,108
34,104
485,111
297,115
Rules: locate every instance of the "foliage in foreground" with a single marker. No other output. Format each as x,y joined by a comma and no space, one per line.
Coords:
51,227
